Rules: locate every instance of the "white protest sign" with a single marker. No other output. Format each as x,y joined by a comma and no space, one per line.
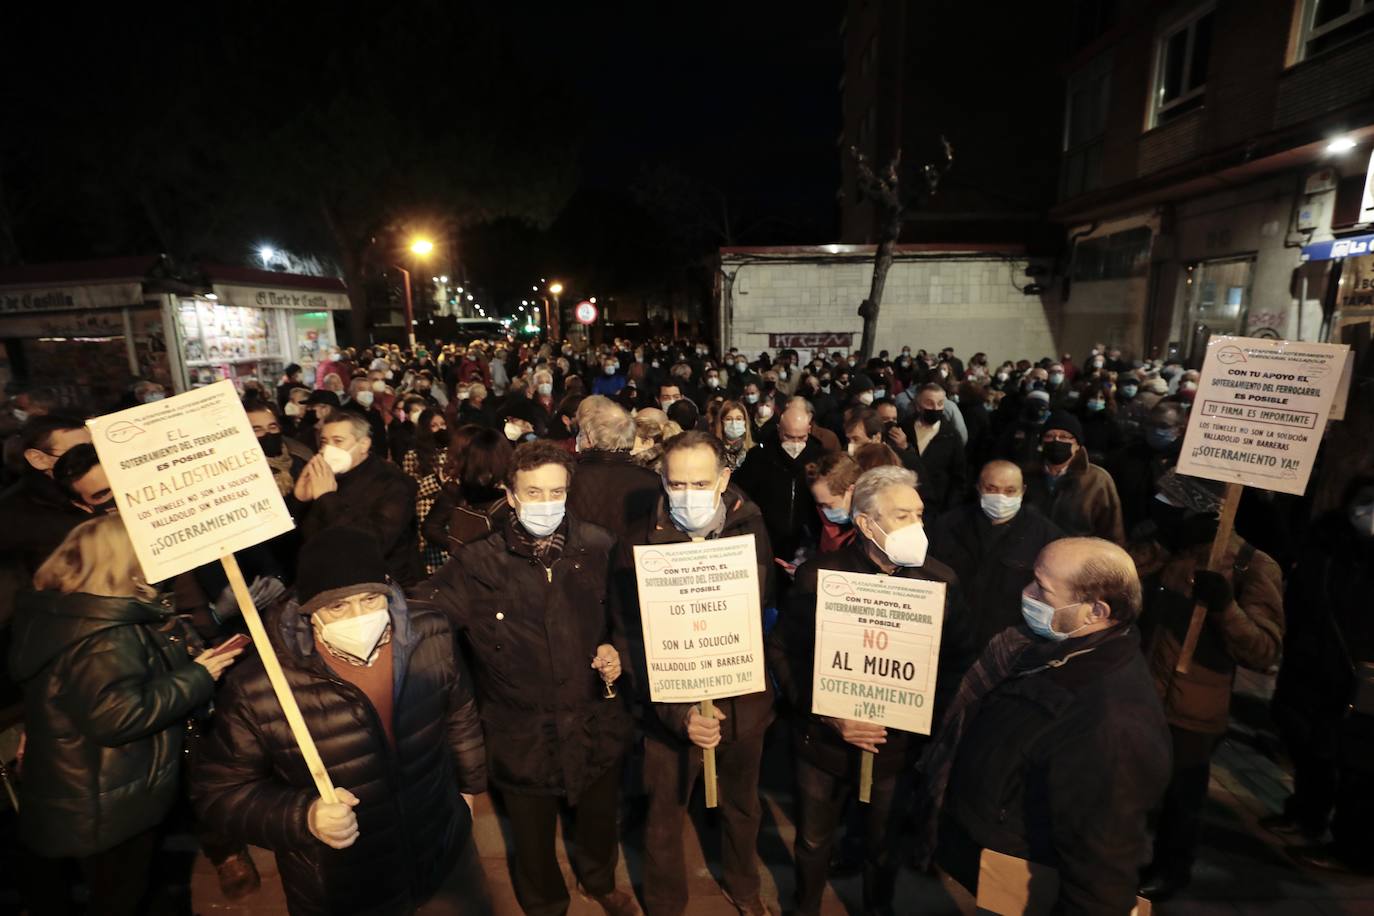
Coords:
1260,411
877,648
190,479
703,629
1342,394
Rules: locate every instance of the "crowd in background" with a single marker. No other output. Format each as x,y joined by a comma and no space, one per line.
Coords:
490,477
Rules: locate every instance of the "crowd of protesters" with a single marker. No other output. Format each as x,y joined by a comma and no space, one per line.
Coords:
456,613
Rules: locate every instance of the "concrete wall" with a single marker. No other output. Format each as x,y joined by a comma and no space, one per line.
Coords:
970,304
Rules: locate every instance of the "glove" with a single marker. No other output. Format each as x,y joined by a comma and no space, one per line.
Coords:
1211,590
264,591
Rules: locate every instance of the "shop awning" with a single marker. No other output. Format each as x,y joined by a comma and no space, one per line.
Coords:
1348,247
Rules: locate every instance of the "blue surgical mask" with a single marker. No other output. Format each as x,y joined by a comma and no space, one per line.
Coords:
1128,391
542,519
1160,438
1095,405
1039,616
835,516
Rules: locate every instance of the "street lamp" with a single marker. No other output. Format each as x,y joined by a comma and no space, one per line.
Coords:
552,322
420,247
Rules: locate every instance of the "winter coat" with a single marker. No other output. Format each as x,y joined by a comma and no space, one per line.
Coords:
610,490
37,516
1249,633
532,632
1329,630
251,783
106,698
994,563
1061,767
748,715
776,483
1083,501
455,520
378,497
941,472
791,659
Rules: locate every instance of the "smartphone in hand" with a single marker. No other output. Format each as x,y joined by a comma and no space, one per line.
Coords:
237,641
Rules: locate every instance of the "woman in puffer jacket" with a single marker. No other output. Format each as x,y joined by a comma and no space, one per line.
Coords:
108,687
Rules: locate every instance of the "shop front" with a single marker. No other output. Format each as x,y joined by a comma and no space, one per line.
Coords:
87,330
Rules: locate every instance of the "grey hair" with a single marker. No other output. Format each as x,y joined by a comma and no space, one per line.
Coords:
606,424
356,422
875,481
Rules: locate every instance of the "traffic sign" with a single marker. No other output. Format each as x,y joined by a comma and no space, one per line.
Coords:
586,313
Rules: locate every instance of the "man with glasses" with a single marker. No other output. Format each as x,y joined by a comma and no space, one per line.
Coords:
1070,490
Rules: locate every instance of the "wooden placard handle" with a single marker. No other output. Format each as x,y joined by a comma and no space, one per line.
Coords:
1225,525
865,776
708,760
278,678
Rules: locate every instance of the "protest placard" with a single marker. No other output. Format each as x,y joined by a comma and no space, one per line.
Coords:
192,486
189,478
877,648
703,630
1260,411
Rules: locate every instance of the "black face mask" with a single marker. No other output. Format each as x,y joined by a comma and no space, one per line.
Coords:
931,417
104,508
271,444
440,438
1057,452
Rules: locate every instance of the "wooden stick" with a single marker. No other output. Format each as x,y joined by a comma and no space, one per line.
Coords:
708,756
278,678
1225,525
865,776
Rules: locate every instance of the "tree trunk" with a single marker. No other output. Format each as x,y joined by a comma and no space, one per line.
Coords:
868,310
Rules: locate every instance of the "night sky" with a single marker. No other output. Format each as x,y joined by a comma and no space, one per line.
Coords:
198,132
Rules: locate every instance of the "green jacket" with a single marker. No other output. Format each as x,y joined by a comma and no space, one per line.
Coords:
106,698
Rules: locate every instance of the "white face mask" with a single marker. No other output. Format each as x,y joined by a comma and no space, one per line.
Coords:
339,461
999,507
378,386
545,388
692,510
513,432
356,636
793,449
734,429
293,409
542,519
364,398
866,398
905,546
764,412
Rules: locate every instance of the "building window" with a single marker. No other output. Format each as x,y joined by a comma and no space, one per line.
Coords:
1181,60
1328,23
1085,126
1113,257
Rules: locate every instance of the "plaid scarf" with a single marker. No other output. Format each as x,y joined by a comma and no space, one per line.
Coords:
547,550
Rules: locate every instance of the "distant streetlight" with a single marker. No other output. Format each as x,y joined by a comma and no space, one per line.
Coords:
267,253
443,279
1341,145
555,287
421,246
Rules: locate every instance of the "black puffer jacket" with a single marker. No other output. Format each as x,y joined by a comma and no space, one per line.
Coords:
252,784
792,650
533,631
106,698
776,482
610,490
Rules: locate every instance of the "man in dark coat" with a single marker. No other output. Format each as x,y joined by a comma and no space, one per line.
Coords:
1069,489
992,546
609,489
774,477
345,485
942,470
530,600
1055,749
391,711
37,512
828,750
676,733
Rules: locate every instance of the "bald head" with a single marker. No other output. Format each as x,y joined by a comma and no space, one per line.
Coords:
1090,581
795,423
1002,477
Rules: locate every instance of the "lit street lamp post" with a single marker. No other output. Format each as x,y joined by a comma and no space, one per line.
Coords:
553,324
419,247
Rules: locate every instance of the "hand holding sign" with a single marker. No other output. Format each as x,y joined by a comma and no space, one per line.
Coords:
703,730
863,735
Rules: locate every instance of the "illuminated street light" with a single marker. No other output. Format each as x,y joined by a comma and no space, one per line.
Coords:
1340,145
443,279
555,287
267,253
421,246
469,297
